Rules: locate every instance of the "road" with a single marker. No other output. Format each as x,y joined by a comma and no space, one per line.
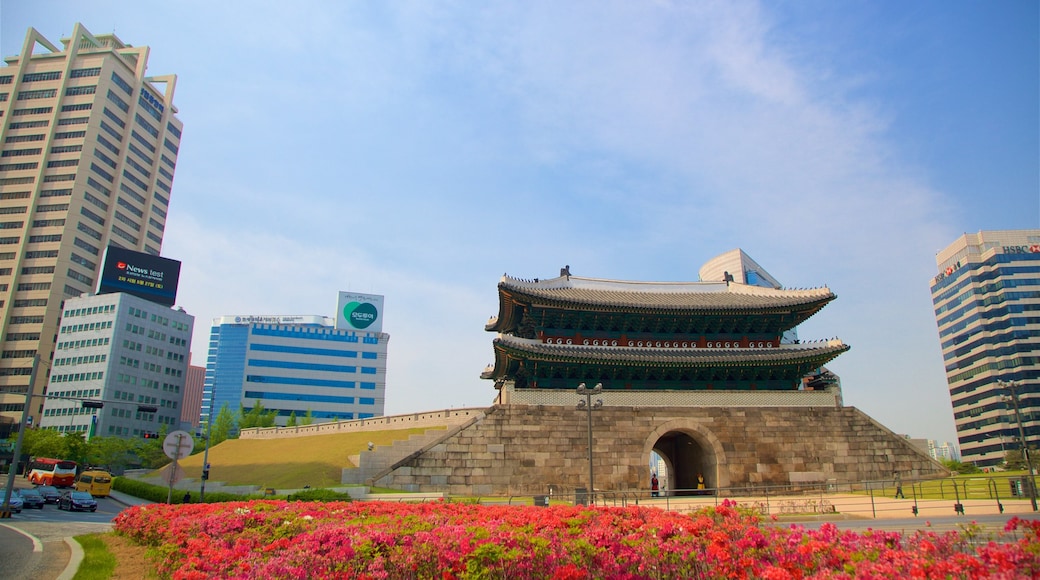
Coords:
23,559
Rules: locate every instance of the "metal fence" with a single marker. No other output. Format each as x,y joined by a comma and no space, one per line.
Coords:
867,499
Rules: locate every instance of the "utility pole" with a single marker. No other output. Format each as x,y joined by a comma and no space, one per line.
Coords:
1022,436
5,509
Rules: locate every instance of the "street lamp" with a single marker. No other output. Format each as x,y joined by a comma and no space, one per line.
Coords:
588,405
1010,385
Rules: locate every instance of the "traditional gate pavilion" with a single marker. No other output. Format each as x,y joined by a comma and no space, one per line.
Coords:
653,336
704,379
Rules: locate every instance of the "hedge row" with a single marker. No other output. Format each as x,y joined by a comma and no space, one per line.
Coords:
159,494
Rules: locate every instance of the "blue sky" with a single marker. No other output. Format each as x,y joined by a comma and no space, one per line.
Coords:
420,150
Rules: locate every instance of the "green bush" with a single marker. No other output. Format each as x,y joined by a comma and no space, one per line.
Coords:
158,493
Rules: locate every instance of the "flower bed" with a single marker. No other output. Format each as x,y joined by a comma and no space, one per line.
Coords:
278,539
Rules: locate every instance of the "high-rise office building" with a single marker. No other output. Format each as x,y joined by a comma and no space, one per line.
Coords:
88,147
331,369
987,306
119,367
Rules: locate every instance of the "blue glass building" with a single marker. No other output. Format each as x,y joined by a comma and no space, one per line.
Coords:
294,364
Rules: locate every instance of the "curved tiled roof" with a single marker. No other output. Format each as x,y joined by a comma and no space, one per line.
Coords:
661,295
785,354
652,298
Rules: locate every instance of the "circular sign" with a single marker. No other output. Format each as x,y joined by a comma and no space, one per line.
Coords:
178,445
360,315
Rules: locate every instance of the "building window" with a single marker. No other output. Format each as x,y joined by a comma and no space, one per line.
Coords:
63,163
20,152
32,111
77,107
84,72
115,118
115,134
66,149
24,138
41,76
104,158
18,166
87,90
85,246
57,178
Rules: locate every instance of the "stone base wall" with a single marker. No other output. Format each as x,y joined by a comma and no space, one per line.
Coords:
528,449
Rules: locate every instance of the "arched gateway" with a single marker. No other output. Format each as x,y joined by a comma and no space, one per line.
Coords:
688,450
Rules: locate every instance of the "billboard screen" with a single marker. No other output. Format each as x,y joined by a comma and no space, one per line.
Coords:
143,275
360,312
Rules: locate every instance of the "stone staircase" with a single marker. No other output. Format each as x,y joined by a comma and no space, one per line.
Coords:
384,459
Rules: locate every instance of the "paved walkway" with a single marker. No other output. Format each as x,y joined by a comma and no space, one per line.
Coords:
851,506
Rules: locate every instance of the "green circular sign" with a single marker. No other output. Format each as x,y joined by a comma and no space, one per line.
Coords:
360,314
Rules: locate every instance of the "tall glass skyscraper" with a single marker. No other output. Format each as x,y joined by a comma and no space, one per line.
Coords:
987,307
294,364
88,149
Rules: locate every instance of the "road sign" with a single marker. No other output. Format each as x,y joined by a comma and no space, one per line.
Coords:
178,445
172,473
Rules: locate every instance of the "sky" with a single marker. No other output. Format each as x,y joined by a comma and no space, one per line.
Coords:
420,150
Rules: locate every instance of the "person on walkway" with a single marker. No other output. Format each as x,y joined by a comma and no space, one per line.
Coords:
700,484
187,497
655,486
899,487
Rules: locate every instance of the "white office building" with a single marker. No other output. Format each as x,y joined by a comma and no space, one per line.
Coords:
119,368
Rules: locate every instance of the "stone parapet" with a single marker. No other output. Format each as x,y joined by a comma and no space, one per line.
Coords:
429,419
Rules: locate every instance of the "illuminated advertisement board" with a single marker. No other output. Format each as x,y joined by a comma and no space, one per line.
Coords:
143,275
360,312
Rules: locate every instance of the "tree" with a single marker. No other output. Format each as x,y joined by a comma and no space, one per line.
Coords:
958,467
222,426
256,417
308,419
44,443
76,448
292,420
1016,461
114,453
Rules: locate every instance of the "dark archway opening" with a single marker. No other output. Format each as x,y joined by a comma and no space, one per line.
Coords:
688,462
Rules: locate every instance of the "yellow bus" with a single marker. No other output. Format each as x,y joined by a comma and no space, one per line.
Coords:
96,483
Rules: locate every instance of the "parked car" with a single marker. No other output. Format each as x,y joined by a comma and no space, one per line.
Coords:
49,492
15,504
77,500
31,498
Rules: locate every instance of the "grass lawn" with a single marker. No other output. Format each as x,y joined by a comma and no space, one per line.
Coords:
289,463
969,486
98,562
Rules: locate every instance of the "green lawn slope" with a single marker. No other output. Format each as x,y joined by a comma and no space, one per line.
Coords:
289,463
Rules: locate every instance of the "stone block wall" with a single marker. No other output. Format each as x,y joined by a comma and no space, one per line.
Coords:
528,449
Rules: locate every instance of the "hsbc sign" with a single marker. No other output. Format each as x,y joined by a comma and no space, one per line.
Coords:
1031,249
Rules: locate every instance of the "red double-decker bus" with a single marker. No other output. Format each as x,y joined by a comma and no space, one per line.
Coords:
56,472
